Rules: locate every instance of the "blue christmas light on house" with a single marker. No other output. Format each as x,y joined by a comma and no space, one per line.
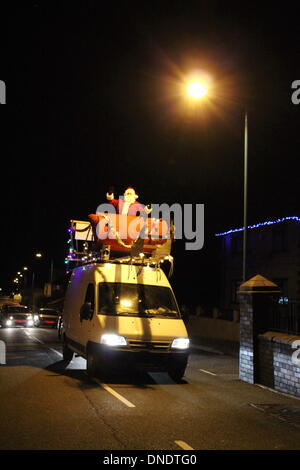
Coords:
261,224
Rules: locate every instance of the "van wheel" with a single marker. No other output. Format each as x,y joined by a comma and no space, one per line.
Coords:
177,368
177,374
67,353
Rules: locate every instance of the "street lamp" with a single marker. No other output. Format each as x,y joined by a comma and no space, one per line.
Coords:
196,90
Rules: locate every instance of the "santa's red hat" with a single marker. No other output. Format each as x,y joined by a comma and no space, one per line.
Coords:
132,189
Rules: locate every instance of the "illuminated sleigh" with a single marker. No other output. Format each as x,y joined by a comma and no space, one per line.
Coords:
107,236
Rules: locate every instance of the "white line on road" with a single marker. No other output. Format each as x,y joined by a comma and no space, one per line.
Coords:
57,352
183,445
106,387
42,342
115,394
207,372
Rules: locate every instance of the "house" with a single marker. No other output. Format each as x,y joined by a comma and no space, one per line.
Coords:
273,250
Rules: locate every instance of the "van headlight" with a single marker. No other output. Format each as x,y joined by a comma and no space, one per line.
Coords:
113,340
30,322
180,343
8,322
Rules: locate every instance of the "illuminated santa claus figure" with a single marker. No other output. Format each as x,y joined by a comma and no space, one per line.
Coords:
128,204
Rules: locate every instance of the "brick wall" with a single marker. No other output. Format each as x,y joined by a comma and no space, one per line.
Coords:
213,328
246,339
275,366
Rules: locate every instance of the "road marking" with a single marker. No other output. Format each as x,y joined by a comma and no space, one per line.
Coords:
57,352
183,445
114,393
42,342
207,372
106,387
33,337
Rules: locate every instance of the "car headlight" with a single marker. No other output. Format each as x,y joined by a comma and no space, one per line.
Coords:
8,322
180,343
113,340
29,322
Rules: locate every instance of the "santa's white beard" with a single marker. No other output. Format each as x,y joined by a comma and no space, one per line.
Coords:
125,208
129,199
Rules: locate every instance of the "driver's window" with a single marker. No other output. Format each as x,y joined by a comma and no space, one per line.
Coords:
90,296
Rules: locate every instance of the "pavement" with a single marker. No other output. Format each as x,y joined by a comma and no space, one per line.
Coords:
215,346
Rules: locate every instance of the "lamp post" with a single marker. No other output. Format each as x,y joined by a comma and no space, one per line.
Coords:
245,195
37,256
25,269
197,90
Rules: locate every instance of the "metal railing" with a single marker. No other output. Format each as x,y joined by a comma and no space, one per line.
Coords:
286,318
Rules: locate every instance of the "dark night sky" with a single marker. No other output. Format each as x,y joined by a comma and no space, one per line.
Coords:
92,102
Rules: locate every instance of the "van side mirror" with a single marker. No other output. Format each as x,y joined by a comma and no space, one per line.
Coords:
86,311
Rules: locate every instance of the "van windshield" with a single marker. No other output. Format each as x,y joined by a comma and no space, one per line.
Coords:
141,300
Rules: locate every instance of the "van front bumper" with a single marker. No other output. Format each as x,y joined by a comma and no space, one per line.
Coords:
150,359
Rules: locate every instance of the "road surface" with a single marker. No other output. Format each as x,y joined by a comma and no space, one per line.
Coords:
46,405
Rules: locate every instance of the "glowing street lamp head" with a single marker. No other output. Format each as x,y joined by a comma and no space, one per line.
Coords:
38,255
196,90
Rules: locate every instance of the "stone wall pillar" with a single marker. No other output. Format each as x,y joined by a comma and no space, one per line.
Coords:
246,338
256,298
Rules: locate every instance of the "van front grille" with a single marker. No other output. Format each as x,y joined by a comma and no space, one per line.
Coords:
149,345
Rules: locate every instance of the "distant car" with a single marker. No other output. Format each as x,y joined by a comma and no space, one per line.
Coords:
47,317
16,315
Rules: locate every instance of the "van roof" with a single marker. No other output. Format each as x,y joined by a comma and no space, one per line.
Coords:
123,272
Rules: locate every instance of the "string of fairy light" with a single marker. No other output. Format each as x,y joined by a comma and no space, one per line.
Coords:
260,224
71,254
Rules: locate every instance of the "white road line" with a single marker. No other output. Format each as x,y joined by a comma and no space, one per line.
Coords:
207,372
42,342
115,394
183,445
106,387
54,350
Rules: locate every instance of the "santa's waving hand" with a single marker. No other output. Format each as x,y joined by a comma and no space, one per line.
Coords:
128,204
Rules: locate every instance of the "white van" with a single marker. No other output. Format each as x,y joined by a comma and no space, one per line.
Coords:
123,315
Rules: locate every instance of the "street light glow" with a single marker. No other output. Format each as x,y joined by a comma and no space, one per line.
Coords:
196,90
38,255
